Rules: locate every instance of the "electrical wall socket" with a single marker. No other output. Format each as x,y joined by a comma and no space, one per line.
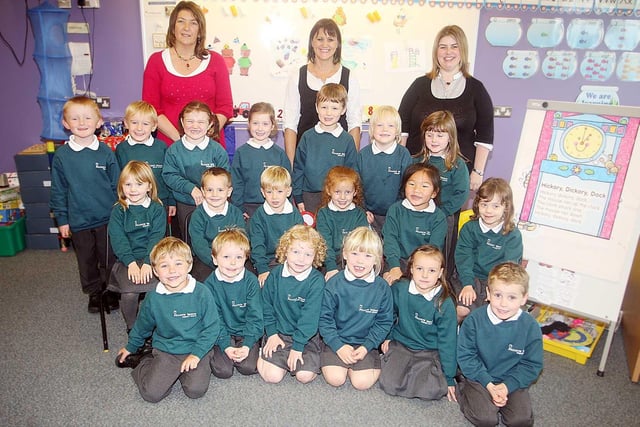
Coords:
501,111
89,4
77,28
103,102
64,4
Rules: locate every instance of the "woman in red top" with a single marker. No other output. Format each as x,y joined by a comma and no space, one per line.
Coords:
186,71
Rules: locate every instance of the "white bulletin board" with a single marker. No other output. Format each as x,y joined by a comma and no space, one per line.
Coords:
577,199
387,44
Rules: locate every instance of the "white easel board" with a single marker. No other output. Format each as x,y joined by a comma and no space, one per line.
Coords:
577,198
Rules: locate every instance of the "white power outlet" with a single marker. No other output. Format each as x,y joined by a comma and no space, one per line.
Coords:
91,4
64,4
77,28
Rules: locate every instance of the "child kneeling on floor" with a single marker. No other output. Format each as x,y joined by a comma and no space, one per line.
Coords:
500,353
181,313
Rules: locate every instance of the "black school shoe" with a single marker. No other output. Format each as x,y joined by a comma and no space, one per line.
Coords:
111,299
133,360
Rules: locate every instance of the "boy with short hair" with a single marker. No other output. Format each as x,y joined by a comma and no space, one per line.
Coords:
181,313
213,215
322,147
500,353
237,295
84,182
271,220
141,119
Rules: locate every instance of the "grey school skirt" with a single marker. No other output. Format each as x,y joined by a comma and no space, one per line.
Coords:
412,373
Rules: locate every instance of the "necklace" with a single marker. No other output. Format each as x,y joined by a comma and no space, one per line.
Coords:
186,60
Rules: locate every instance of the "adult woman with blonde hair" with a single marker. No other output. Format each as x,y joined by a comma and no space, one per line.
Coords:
186,71
449,86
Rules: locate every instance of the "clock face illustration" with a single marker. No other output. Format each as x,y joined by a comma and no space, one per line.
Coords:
583,142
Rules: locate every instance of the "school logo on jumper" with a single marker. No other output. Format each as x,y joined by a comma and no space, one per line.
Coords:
335,153
141,224
423,232
421,320
493,245
393,171
155,166
444,179
207,165
368,310
515,350
184,315
238,304
99,166
295,299
265,165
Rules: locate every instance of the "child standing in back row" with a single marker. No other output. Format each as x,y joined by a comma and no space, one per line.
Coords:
141,119
186,160
500,353
489,238
357,314
381,164
442,151
322,147
84,181
420,354
291,300
415,221
341,211
258,153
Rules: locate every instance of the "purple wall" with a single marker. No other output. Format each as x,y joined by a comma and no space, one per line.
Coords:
515,92
118,67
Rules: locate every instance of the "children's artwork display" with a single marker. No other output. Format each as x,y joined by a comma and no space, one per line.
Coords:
577,204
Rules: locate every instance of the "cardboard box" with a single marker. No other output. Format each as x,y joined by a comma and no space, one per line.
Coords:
578,344
43,241
34,158
12,238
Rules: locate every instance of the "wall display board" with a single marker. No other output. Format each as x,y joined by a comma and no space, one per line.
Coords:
387,44
577,203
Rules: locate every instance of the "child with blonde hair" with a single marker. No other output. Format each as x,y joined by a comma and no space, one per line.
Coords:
488,238
84,182
441,150
215,214
357,314
382,163
340,212
291,299
141,119
253,157
137,224
420,353
187,159
237,295
272,219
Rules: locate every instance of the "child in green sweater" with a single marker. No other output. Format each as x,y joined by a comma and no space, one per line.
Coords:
489,238
272,219
357,314
500,353
420,353
415,221
237,295
291,301
181,313
215,214
259,152
137,224
340,212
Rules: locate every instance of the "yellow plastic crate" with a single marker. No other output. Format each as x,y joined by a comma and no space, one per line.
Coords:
580,342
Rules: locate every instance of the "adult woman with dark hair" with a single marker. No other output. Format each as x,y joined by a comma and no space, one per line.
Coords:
186,71
323,66
450,86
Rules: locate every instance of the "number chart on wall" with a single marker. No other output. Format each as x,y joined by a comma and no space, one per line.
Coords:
386,44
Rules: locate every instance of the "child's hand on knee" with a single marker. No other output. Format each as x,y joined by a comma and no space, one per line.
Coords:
360,353
345,353
190,363
293,359
385,346
146,273
467,295
133,272
273,343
